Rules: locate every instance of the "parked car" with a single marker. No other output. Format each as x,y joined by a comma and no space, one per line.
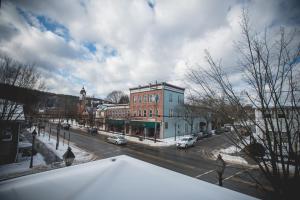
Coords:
93,131
206,135
219,131
117,139
66,126
186,142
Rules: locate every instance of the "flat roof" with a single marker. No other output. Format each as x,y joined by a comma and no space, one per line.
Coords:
158,84
120,177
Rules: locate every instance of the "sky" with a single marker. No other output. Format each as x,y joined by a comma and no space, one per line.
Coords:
107,45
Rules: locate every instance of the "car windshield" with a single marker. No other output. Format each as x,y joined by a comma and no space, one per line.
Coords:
184,139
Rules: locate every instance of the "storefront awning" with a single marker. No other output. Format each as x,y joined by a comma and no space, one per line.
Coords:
115,122
144,124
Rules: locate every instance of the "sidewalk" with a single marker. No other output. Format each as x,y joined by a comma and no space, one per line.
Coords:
81,155
159,142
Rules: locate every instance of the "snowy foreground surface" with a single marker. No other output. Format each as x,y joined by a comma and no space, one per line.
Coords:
81,155
121,177
22,165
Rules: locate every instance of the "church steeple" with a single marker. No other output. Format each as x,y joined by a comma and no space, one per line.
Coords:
82,94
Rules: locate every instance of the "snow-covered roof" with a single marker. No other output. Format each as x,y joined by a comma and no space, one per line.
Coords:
121,177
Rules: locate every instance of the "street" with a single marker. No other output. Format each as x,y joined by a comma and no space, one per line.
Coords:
193,162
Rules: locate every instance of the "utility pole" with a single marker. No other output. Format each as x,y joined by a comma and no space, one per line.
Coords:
57,135
50,130
175,130
156,100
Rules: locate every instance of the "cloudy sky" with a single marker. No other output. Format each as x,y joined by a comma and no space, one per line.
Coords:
110,45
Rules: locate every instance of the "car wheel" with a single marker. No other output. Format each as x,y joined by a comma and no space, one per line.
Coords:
186,146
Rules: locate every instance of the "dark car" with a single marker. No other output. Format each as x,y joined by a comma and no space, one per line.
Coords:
93,131
66,126
202,135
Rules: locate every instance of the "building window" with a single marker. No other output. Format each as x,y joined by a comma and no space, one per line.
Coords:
150,98
156,96
134,99
170,98
280,114
134,113
140,113
166,125
186,128
140,99
267,115
171,113
145,113
150,113
178,99
157,112
145,98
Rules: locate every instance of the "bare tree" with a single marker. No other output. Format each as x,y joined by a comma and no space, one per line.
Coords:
269,71
115,96
124,99
188,113
17,74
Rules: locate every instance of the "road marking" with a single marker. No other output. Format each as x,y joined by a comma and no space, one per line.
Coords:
164,160
229,177
204,173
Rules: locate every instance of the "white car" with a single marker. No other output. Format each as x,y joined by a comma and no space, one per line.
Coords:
117,139
186,142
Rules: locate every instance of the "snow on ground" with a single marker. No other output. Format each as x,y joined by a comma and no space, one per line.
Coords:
225,153
80,154
159,142
22,165
230,158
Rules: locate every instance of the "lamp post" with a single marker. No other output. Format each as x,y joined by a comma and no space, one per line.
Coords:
155,126
57,135
69,157
34,133
220,168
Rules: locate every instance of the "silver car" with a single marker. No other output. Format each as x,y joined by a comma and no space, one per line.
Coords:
186,142
117,139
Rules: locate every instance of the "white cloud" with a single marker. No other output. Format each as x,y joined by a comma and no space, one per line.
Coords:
148,44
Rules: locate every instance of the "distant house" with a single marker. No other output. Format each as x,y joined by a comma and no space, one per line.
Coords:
280,119
10,123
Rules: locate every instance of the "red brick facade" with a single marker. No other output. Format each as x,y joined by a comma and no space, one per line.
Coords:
143,103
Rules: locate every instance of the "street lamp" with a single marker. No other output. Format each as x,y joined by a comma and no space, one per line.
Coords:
57,135
155,126
220,168
69,157
34,133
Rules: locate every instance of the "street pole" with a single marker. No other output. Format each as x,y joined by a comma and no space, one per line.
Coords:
155,126
57,135
49,131
69,138
32,148
175,131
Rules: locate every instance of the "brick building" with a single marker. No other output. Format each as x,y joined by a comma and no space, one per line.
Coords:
113,117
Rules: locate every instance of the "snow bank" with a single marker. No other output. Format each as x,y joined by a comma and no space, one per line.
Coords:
22,166
80,154
159,142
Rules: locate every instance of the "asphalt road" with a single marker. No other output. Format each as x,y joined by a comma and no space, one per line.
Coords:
193,162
